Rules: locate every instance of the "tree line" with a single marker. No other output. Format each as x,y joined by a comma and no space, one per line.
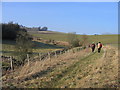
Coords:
24,44
10,31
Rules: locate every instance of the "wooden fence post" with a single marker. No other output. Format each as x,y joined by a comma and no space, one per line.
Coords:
68,50
60,52
65,51
11,63
72,50
55,54
40,56
28,59
49,55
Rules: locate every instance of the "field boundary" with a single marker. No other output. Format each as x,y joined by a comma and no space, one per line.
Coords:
41,56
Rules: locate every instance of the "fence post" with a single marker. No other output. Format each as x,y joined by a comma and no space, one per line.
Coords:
73,50
60,52
11,63
40,56
28,59
55,54
68,51
65,51
49,55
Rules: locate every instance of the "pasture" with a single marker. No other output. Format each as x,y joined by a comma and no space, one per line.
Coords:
105,39
8,46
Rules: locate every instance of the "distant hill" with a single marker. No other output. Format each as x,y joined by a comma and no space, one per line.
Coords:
37,30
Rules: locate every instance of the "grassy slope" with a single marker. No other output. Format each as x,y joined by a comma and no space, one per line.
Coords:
71,70
62,74
8,47
106,39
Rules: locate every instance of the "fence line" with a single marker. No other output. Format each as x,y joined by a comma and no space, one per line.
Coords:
48,55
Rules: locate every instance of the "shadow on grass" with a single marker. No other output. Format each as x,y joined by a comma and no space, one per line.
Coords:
39,45
10,42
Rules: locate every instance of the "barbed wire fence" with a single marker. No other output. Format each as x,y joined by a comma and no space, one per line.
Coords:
41,56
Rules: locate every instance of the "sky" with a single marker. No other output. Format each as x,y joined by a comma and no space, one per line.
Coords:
80,17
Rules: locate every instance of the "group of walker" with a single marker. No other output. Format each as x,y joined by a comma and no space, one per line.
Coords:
99,46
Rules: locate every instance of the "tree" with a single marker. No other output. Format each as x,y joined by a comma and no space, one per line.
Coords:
44,29
23,46
9,31
39,28
73,40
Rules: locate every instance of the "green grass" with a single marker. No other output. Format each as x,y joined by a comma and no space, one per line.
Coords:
8,47
57,36
105,39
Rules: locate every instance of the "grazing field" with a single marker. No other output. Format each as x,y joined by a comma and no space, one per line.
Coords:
8,47
105,39
53,36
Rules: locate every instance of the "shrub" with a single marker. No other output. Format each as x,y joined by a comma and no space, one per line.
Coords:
9,31
23,46
73,40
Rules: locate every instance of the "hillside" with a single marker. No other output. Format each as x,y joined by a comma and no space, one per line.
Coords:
58,36
78,69
82,69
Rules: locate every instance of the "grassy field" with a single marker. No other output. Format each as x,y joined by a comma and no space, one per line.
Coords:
105,39
8,47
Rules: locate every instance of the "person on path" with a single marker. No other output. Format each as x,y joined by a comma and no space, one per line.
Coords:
99,47
93,47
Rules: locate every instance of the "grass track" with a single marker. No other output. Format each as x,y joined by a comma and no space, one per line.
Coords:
67,74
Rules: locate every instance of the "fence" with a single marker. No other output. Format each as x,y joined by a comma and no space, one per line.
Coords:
42,56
